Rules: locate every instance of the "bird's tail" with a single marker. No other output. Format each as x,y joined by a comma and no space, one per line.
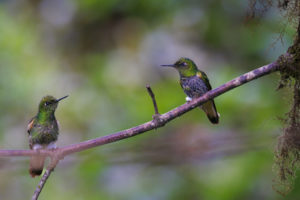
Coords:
36,165
211,111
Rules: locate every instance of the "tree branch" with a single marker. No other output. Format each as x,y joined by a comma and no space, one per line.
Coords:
153,99
41,184
158,121
59,153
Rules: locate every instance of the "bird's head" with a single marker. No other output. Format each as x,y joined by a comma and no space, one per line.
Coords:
185,66
49,103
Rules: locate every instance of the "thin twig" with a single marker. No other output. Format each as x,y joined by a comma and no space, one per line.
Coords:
153,99
41,184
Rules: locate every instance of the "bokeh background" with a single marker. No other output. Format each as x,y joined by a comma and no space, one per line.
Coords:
103,53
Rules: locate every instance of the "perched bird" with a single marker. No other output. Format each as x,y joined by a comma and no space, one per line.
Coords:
194,84
43,132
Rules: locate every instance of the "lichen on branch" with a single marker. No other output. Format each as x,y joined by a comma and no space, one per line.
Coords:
287,152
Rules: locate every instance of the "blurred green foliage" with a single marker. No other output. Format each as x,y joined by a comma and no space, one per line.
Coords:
103,53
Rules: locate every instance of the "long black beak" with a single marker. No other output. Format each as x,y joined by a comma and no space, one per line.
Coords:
57,100
167,65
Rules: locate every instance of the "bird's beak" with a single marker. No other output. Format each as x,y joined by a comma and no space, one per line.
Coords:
61,98
167,65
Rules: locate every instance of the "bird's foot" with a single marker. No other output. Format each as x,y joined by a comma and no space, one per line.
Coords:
37,146
52,145
188,99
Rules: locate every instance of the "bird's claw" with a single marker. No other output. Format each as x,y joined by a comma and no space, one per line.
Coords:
188,99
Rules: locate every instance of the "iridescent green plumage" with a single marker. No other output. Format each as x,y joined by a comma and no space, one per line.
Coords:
43,131
194,84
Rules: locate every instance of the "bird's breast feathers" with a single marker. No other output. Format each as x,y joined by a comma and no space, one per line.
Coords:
193,86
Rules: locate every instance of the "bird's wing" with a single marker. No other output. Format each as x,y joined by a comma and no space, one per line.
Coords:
58,124
30,125
203,76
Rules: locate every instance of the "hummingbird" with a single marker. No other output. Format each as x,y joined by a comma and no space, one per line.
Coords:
195,83
43,131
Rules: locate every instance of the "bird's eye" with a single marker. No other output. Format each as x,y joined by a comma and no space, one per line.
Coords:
47,104
184,64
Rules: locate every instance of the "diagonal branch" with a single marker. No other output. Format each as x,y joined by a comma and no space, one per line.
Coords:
41,184
180,110
43,180
158,121
59,153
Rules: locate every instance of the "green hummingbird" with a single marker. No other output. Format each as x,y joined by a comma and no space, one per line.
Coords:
43,131
194,84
